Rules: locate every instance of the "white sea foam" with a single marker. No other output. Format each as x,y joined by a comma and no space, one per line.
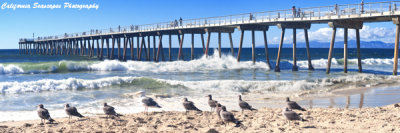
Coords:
64,84
226,62
224,91
373,61
269,86
10,69
286,87
320,63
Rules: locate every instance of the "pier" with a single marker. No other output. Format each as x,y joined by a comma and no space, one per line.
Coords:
346,16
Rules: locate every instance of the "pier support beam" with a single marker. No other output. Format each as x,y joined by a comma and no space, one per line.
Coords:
180,44
154,48
345,50
346,24
169,48
218,30
219,44
266,48
125,47
108,48
278,59
112,47
294,26
202,41
252,28
240,45
208,43
294,67
160,47
102,48
328,68
310,67
192,48
231,43
119,48
253,47
131,48
140,50
396,45
358,51
148,53
98,48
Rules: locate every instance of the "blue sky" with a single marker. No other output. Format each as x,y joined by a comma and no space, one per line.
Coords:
21,23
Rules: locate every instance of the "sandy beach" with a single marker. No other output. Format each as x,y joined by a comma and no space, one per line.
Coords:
378,119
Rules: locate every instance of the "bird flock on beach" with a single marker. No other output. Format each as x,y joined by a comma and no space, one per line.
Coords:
220,110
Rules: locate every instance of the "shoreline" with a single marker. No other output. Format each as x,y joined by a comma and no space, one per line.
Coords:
377,119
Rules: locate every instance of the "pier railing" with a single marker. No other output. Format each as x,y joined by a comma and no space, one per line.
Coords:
296,14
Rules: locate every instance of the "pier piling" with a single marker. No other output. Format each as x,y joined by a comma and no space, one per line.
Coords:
278,59
328,68
310,67
345,50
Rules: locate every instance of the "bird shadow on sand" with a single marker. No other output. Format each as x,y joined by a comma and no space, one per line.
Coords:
309,127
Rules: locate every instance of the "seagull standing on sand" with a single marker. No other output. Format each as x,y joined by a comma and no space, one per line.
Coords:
110,111
293,105
244,105
218,110
189,105
291,115
147,101
211,102
72,111
228,117
44,114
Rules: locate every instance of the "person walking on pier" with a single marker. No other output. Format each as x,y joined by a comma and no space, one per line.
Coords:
336,9
298,12
176,23
180,21
294,11
251,16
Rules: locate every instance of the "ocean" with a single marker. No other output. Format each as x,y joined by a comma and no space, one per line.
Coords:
29,80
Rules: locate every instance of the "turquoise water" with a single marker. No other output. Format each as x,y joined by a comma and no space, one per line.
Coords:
28,80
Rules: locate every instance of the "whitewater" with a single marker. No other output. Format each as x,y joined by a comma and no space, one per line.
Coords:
87,83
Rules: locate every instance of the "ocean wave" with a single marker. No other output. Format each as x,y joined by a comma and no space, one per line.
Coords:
64,84
10,69
322,63
283,88
286,87
213,62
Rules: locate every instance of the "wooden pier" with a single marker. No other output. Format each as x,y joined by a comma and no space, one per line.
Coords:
347,16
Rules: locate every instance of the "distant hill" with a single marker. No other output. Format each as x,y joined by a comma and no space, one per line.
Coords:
339,44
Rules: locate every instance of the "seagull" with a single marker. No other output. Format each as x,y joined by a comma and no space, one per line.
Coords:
110,111
228,117
147,101
211,102
244,105
218,110
293,105
189,105
43,114
72,111
291,115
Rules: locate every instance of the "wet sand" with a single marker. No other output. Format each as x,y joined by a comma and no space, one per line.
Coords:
377,119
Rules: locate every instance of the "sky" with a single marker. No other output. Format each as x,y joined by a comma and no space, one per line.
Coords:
22,23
